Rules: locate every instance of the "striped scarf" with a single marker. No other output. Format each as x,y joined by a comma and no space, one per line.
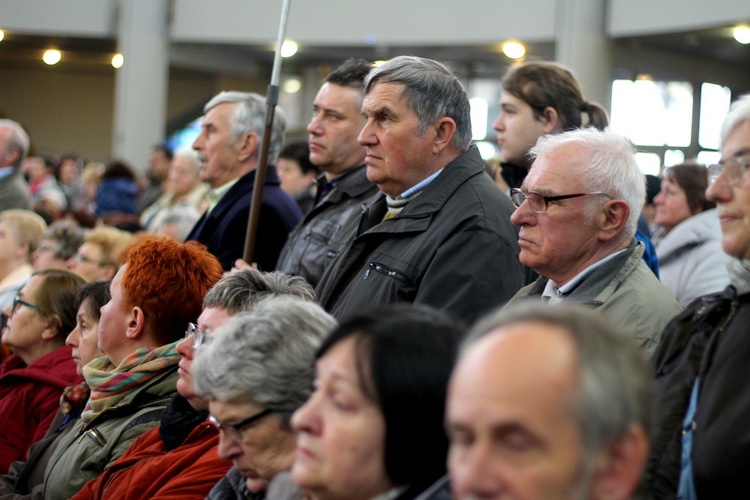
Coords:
110,384
395,206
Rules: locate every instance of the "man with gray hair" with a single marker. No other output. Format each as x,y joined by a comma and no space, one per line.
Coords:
14,146
578,209
439,233
229,148
548,402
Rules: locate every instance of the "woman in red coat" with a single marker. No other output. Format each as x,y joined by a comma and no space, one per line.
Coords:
33,378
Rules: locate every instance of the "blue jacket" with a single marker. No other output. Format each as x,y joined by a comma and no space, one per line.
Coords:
116,195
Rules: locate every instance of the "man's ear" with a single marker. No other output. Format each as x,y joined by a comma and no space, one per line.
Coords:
620,466
445,129
550,120
614,216
10,156
136,324
248,144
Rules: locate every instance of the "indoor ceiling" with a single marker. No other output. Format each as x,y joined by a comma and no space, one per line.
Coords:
26,50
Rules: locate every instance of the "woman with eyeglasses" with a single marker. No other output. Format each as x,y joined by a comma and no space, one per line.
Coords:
33,378
27,477
691,262
255,373
701,447
374,426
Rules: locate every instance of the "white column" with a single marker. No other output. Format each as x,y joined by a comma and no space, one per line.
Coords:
582,45
141,83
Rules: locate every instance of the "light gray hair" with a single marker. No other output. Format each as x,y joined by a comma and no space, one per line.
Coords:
18,139
609,166
250,116
266,356
739,112
431,90
615,382
182,217
191,155
241,290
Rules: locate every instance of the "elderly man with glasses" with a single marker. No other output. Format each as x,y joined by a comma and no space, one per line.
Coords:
577,210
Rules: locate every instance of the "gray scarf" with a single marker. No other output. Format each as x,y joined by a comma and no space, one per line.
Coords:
739,274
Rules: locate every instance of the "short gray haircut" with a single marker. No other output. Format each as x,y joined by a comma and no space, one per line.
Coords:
431,90
191,155
250,116
184,218
266,356
18,139
739,112
609,166
615,382
242,290
67,237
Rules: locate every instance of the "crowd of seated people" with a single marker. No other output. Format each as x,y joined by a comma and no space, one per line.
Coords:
426,335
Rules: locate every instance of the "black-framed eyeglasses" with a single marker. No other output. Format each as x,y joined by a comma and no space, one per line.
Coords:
538,202
234,431
17,302
199,337
733,169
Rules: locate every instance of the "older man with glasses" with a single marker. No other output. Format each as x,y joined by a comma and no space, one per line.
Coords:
179,457
702,445
577,210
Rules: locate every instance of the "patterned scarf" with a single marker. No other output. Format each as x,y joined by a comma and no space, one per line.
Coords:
110,384
396,206
74,396
739,275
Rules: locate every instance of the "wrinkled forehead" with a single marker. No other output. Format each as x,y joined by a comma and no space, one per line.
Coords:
558,172
737,142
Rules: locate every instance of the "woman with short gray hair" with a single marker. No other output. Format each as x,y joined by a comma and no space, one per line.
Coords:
256,372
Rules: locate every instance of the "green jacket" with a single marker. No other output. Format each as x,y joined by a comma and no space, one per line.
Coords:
626,291
88,449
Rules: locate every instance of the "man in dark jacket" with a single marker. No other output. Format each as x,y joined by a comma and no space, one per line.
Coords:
440,232
343,188
14,146
229,147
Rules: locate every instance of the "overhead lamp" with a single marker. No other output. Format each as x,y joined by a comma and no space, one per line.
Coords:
117,61
52,57
2,35
514,50
288,48
742,34
292,85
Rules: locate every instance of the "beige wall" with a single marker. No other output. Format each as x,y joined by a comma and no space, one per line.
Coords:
73,110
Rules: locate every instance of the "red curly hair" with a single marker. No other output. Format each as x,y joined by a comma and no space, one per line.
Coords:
168,280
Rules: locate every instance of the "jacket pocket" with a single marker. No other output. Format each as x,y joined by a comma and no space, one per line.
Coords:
388,271
96,436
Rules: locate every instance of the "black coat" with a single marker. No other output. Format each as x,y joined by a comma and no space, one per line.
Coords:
710,339
225,228
453,248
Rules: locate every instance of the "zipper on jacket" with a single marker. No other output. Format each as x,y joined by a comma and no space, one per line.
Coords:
96,436
392,273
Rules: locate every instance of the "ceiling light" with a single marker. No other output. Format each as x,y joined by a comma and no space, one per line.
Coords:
514,50
288,48
292,85
117,61
52,57
742,34
2,35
